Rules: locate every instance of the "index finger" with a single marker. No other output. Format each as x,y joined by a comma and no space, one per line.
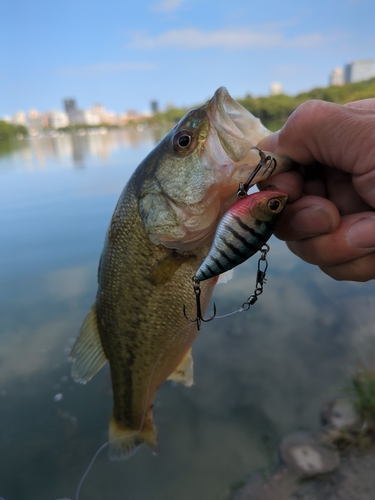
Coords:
331,134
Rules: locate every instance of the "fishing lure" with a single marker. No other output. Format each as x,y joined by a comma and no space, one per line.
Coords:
243,230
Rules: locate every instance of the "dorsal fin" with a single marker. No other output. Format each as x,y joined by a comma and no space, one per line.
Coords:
87,354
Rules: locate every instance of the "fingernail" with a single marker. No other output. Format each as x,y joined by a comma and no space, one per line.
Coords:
362,233
313,220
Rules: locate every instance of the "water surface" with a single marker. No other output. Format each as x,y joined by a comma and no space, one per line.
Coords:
258,375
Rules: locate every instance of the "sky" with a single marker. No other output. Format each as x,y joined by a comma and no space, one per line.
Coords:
124,54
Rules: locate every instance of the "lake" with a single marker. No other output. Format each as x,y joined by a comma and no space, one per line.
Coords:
258,375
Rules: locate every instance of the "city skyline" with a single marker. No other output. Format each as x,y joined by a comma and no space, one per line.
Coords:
127,55
97,114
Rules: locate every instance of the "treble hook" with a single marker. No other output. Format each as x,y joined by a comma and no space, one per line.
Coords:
268,161
198,320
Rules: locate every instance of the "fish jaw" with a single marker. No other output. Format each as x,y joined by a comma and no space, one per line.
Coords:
238,132
237,128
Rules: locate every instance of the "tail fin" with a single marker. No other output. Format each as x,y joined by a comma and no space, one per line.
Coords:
123,442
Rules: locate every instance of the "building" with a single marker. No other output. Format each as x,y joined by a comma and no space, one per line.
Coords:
70,105
37,122
276,88
58,119
336,77
358,71
19,118
154,107
91,117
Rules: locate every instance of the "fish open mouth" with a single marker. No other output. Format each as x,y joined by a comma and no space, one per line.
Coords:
237,129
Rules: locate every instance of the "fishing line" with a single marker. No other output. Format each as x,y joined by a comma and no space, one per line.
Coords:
240,310
107,443
260,281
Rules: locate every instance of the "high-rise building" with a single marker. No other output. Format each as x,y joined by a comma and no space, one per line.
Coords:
154,107
336,77
358,71
70,105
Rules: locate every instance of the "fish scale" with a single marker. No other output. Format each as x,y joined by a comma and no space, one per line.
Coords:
242,231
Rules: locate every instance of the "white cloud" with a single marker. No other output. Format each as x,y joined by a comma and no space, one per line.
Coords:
167,5
105,68
229,39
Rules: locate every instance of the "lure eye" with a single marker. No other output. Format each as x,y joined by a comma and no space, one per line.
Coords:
182,140
274,205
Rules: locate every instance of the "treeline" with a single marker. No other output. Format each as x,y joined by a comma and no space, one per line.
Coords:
273,111
9,132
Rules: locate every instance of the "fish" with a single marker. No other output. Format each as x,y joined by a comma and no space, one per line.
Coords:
159,234
245,227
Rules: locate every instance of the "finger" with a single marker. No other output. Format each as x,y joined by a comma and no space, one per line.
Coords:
352,239
361,269
365,104
307,217
290,183
327,133
341,192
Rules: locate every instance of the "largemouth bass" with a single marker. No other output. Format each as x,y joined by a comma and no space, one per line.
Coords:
161,231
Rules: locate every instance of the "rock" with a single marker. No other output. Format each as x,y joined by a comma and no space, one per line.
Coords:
340,414
277,487
306,456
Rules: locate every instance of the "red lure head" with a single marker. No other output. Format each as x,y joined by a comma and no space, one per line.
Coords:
261,205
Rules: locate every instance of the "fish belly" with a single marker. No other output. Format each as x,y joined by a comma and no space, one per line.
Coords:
143,331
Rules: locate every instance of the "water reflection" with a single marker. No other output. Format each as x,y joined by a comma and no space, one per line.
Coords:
74,149
258,375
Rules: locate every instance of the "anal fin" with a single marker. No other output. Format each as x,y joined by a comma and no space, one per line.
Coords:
184,372
87,354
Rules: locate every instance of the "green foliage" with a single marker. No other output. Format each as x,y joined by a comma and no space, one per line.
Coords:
273,111
9,132
169,117
364,395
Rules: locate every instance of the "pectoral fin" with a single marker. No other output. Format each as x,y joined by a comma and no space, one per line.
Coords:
165,268
87,354
184,372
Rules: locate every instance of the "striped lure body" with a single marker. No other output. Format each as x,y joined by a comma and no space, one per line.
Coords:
242,231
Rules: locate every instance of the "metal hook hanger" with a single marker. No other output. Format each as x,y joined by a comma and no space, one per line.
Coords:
267,161
198,320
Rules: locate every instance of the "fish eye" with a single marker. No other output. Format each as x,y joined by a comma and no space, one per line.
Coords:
274,204
182,140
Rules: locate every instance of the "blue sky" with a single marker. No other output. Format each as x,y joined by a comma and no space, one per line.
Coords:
123,54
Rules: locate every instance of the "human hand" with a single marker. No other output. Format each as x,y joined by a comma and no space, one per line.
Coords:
330,220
